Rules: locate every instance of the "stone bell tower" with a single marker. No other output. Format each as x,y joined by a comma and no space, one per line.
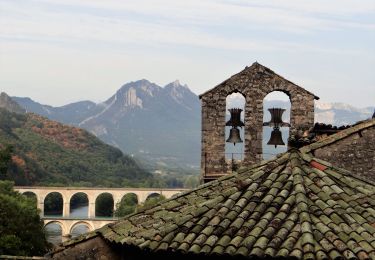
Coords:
254,83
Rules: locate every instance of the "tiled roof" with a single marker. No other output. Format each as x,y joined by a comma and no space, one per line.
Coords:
294,205
358,127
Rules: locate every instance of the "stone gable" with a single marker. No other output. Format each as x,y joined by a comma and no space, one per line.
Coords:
254,83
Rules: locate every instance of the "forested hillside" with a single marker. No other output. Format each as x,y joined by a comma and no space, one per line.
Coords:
46,152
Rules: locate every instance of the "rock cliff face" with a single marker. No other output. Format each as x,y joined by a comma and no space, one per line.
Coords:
10,105
161,124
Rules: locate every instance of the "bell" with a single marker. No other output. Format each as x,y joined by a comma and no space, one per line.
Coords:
235,118
276,138
234,136
276,118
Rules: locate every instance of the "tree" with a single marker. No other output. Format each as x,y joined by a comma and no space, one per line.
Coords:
21,228
151,201
53,204
191,181
5,158
127,205
104,205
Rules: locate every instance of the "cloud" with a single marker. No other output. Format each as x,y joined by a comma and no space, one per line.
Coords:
209,24
187,39
272,13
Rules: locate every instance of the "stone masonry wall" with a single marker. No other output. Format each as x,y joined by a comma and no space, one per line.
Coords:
355,153
254,83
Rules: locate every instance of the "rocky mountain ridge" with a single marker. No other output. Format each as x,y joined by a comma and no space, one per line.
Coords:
162,124
9,104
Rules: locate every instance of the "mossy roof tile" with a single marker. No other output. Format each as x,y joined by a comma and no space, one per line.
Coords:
283,207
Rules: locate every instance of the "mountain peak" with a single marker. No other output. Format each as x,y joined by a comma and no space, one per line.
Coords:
176,84
142,81
143,84
9,104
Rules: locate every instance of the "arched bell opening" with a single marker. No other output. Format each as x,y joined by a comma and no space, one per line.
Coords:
235,127
276,118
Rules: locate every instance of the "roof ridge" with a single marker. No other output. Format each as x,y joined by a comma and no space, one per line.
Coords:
306,238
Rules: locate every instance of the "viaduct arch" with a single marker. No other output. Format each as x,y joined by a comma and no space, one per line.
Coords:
68,223
92,193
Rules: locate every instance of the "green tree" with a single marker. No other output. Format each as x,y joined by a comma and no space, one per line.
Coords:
127,205
191,181
104,205
5,158
53,204
21,229
150,202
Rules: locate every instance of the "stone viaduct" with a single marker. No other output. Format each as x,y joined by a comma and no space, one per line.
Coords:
92,193
67,223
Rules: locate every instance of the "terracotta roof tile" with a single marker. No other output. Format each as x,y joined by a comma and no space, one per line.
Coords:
287,207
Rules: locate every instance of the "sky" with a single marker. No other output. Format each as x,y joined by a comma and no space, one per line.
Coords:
62,51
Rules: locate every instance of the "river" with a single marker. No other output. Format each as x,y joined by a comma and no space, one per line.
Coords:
53,231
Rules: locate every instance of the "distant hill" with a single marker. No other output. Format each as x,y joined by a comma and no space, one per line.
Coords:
71,114
9,104
340,114
158,125
49,153
161,125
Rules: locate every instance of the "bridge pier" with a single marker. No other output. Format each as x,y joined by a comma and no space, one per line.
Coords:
65,237
116,199
142,197
66,208
40,206
91,211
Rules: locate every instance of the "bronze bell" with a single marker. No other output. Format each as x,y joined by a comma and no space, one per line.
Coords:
235,118
276,137
276,118
234,136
